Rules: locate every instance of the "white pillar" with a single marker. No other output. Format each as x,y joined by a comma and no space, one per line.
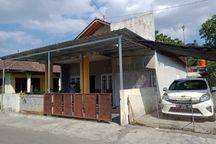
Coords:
60,79
120,64
9,88
29,83
123,98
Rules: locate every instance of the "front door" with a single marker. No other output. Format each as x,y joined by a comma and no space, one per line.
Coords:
92,84
106,83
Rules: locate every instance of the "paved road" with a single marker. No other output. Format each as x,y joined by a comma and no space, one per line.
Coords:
22,129
12,135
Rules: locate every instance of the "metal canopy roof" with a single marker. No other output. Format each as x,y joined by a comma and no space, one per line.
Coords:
185,51
106,44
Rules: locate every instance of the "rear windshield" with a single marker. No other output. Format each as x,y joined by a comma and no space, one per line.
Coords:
188,85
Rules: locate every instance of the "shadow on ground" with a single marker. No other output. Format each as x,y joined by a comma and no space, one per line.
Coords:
160,115
159,120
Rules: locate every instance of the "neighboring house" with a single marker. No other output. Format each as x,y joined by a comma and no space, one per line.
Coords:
26,77
121,59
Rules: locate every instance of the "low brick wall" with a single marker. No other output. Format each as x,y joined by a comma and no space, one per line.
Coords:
23,103
31,104
11,102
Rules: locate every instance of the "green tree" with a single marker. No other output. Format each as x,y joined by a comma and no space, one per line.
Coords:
208,32
192,61
160,37
211,67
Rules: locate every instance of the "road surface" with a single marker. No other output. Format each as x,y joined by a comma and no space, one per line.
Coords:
22,129
11,135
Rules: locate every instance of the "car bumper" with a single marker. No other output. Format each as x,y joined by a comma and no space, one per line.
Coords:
203,109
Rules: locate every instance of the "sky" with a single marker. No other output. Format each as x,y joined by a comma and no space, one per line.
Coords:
27,24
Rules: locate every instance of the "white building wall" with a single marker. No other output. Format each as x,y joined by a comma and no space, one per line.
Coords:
136,103
11,102
9,80
142,25
23,103
168,69
32,103
136,74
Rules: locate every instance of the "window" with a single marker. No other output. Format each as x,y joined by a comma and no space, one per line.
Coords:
106,82
1,85
55,84
35,82
188,85
20,85
76,81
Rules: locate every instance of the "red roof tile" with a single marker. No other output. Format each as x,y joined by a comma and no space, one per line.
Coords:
25,66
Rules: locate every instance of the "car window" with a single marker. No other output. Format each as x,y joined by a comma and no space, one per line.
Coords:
188,85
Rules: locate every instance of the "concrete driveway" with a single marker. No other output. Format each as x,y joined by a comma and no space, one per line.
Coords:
25,129
200,125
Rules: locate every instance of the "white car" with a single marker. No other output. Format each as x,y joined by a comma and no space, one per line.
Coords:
188,97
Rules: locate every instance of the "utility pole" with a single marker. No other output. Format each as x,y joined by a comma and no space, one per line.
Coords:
183,30
186,60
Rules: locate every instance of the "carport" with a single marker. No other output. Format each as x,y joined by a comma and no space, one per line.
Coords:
118,44
112,44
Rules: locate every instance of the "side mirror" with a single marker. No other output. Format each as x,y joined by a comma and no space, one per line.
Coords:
165,89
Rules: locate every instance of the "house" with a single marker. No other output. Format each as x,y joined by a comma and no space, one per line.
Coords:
120,60
26,77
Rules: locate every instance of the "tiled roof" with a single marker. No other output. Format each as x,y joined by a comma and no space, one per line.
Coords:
25,66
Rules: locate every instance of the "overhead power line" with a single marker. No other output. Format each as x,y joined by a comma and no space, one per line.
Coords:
98,8
161,9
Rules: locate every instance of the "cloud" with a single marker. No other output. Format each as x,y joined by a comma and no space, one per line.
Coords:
192,16
19,36
169,16
114,8
57,24
70,16
12,41
55,20
24,10
51,16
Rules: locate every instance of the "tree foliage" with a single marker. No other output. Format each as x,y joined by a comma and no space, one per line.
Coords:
211,67
160,37
208,32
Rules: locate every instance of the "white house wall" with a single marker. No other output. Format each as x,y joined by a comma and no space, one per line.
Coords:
11,102
135,74
136,103
23,103
168,69
142,25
